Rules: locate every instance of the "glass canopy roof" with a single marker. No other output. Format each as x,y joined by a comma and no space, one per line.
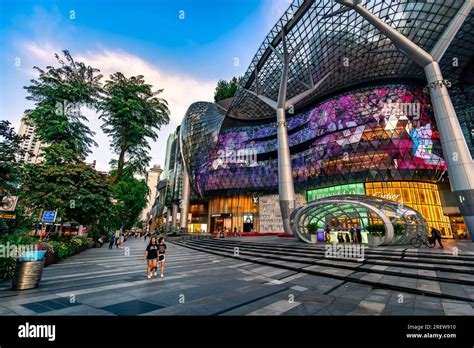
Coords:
350,210
329,39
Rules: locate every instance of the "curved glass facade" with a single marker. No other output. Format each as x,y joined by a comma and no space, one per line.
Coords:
199,134
371,121
376,134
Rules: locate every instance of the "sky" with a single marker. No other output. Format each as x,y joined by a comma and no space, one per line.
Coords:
181,46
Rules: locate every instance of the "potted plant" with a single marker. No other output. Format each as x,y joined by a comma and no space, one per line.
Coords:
312,228
376,234
399,233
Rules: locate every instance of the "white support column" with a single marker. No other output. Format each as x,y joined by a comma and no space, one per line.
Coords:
456,152
285,173
174,214
458,158
184,203
286,189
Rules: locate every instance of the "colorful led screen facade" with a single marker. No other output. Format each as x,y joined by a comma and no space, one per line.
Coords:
370,134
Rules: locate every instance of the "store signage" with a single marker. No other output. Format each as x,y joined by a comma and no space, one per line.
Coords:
9,203
7,216
391,196
222,215
49,216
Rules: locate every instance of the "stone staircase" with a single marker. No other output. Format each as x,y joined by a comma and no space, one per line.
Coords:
414,271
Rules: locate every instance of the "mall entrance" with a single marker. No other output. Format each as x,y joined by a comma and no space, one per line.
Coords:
221,222
234,213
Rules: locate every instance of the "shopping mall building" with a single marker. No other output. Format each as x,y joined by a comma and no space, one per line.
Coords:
364,122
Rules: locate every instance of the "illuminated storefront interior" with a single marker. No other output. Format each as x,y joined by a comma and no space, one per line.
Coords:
241,212
423,197
349,189
198,214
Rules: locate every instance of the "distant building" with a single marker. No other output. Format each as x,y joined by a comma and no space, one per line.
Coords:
31,145
152,181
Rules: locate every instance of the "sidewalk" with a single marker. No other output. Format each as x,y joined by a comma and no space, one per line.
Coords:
111,282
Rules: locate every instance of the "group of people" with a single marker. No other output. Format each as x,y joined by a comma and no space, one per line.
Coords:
155,256
354,236
223,233
155,252
118,240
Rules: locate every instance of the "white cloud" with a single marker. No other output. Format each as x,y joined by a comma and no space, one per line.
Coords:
275,9
179,90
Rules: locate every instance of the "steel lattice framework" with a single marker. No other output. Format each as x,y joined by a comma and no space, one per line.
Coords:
326,38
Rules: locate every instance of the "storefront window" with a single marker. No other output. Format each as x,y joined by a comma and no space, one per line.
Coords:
423,197
248,222
230,213
349,189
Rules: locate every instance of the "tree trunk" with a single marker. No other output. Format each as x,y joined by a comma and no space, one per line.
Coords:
120,164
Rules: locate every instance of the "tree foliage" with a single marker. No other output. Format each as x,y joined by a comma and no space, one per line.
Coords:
132,113
79,192
59,93
130,194
226,89
11,172
62,180
10,168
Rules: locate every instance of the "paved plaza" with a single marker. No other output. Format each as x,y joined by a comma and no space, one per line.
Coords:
268,276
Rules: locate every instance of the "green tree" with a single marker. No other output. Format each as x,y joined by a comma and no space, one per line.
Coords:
11,171
226,89
10,167
62,180
79,192
131,113
59,93
130,194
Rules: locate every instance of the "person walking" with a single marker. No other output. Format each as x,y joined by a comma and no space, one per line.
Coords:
359,234
354,235
327,232
235,231
151,257
161,255
437,237
117,238
111,241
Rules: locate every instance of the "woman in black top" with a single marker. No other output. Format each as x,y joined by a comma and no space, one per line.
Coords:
151,256
161,255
